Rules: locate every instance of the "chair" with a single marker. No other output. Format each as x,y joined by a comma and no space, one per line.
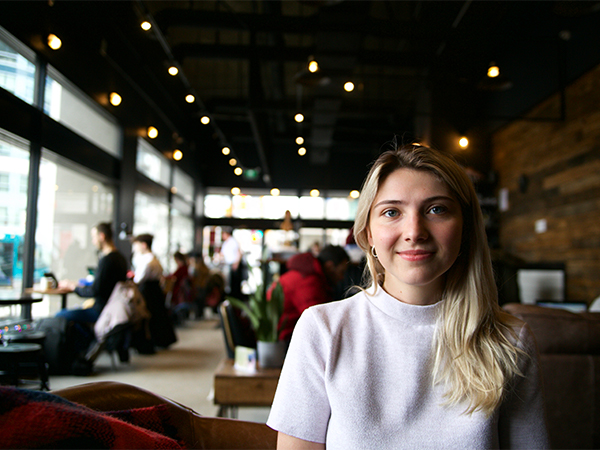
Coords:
569,346
236,328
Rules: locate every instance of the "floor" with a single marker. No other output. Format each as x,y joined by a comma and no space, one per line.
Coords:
183,373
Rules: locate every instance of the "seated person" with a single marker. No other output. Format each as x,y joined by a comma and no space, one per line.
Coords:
148,274
309,281
181,297
112,268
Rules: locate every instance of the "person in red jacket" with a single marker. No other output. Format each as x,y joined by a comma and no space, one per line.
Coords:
309,281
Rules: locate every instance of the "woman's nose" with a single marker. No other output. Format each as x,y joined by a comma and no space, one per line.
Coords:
416,229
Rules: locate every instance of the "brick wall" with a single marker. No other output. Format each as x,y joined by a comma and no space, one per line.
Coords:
560,161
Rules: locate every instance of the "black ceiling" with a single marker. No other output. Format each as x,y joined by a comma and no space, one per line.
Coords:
418,67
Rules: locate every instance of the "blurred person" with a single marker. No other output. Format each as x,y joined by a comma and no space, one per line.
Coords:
234,263
309,281
112,268
148,275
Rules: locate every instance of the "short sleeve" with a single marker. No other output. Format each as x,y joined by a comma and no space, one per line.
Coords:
522,421
301,407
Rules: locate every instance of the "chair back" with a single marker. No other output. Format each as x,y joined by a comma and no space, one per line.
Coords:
236,329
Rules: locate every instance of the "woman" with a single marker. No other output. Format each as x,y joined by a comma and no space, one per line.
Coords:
424,357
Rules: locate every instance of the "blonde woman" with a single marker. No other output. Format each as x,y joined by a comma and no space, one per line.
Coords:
423,357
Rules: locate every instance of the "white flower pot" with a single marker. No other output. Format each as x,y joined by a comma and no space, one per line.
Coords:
271,354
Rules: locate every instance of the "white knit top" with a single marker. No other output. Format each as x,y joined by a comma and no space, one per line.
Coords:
358,375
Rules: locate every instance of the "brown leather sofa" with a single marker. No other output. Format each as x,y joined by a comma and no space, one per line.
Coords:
196,431
569,345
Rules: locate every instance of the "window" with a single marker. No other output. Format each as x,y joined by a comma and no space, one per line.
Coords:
71,107
17,71
151,215
152,163
72,200
184,184
14,160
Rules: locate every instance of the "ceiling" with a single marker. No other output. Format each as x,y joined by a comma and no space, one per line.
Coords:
418,68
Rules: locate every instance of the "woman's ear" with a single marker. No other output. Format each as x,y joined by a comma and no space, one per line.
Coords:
369,236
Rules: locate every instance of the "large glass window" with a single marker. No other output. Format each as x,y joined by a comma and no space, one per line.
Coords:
184,185
152,163
182,231
71,107
17,71
14,168
151,215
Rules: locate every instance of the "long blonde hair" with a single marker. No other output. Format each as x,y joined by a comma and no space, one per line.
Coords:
473,353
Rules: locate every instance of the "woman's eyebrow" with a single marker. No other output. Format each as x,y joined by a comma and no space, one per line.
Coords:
435,198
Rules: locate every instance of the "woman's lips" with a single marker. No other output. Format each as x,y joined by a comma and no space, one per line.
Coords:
415,255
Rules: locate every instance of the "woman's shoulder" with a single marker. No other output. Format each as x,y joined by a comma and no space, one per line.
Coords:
339,310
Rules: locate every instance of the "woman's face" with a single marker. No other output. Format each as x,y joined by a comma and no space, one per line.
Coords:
415,226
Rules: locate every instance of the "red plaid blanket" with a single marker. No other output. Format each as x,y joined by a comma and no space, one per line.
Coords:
33,419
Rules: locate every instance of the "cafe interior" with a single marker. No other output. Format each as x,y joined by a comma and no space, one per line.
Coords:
183,118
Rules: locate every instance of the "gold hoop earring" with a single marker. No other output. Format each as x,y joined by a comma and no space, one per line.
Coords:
373,252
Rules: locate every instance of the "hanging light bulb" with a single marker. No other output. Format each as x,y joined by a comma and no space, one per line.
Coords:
299,140
463,142
275,192
115,99
238,171
349,86
177,155
493,70
315,193
235,191
190,98
302,151
232,162
173,70
152,132
226,151
54,42
354,194
146,25
299,118
205,120
313,66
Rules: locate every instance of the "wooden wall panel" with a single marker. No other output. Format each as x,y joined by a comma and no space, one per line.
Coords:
560,161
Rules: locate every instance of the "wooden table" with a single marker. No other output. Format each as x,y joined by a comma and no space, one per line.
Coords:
55,291
234,388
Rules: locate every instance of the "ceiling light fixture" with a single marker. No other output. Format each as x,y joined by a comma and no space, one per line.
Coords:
349,86
114,99
146,25
313,66
173,70
226,151
232,162
299,140
238,171
236,190
493,70
299,118
205,120
54,42
354,194
275,192
177,155
190,98
463,142
302,151
315,193
152,132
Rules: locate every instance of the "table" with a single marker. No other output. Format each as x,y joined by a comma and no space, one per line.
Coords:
55,291
25,300
234,388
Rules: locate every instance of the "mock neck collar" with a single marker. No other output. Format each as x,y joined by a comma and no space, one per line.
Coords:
406,312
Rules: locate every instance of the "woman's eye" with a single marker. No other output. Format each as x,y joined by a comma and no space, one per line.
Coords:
390,213
438,209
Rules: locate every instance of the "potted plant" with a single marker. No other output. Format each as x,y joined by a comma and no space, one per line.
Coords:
264,314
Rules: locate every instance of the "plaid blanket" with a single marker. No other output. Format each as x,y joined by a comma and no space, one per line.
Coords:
33,419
